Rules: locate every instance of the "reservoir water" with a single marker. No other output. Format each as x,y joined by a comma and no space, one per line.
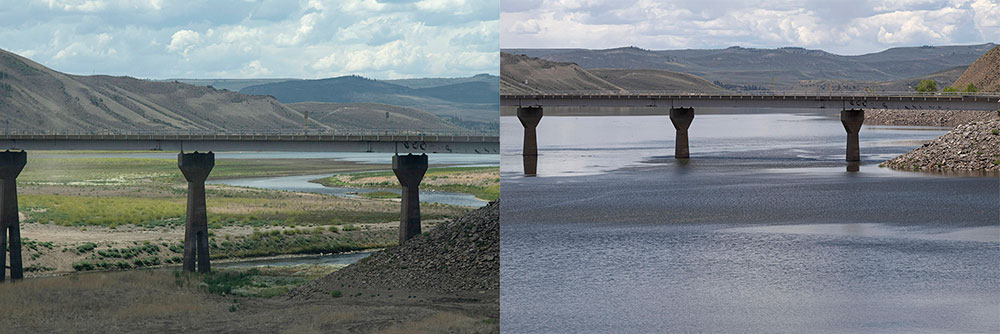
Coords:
762,230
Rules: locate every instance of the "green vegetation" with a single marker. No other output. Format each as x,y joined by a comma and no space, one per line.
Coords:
927,86
336,294
264,282
482,182
969,89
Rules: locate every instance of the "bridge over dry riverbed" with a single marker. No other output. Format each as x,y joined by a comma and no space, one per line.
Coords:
196,166
681,109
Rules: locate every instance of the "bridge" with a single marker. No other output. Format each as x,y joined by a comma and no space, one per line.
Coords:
196,166
682,109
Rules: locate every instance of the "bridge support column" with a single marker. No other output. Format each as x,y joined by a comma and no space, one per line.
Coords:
681,117
409,170
11,164
196,167
852,120
529,117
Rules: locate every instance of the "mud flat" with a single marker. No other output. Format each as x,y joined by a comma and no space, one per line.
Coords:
972,147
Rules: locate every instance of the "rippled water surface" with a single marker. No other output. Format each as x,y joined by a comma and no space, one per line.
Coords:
763,230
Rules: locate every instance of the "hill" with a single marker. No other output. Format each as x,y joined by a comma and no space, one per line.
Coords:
230,84
36,98
348,116
903,85
436,82
984,73
473,102
749,69
525,75
656,80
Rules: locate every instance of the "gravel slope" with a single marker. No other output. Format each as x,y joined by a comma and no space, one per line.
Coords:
462,255
971,147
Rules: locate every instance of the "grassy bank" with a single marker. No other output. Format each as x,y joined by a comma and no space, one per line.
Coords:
482,182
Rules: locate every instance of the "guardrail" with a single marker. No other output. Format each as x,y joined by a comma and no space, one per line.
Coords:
752,93
248,133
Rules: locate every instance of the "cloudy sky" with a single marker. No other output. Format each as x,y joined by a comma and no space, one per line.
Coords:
383,39
846,27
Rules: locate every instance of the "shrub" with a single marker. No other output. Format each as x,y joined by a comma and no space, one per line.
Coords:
336,294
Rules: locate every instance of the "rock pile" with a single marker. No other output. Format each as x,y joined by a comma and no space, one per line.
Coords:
972,147
943,118
460,255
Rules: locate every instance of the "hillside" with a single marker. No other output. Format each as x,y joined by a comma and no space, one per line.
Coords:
466,102
230,84
525,75
656,80
903,85
36,98
436,82
749,69
984,73
346,116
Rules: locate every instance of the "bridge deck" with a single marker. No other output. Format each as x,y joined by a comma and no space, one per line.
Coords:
256,142
915,102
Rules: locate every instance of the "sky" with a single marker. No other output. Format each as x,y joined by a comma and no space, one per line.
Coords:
208,39
846,27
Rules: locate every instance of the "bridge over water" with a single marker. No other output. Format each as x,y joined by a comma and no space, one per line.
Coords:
196,166
681,109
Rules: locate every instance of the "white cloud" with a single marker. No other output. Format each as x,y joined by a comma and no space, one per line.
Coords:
183,41
254,38
849,26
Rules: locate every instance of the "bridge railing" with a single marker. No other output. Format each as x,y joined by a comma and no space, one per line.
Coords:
874,93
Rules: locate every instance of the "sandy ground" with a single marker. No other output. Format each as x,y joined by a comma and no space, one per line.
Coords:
155,301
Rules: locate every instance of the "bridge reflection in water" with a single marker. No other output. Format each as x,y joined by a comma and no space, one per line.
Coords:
196,167
682,110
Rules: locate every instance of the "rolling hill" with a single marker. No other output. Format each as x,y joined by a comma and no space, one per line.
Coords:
904,85
347,116
36,98
472,103
748,69
524,75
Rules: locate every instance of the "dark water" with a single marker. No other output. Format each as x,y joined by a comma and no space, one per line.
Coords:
763,230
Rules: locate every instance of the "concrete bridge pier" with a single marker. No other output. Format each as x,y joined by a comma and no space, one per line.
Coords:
681,117
529,117
409,170
196,167
11,164
852,120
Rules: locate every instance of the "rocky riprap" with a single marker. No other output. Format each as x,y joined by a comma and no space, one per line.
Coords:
972,147
459,255
942,118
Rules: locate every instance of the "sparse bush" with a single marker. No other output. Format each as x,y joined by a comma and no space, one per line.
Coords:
336,294
927,86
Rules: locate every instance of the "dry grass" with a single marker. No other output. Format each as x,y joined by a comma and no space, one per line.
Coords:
152,301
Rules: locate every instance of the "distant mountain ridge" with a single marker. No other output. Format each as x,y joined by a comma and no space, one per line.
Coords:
36,98
753,69
471,101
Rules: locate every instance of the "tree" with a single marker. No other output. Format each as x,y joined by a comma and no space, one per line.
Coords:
927,86
949,89
971,88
